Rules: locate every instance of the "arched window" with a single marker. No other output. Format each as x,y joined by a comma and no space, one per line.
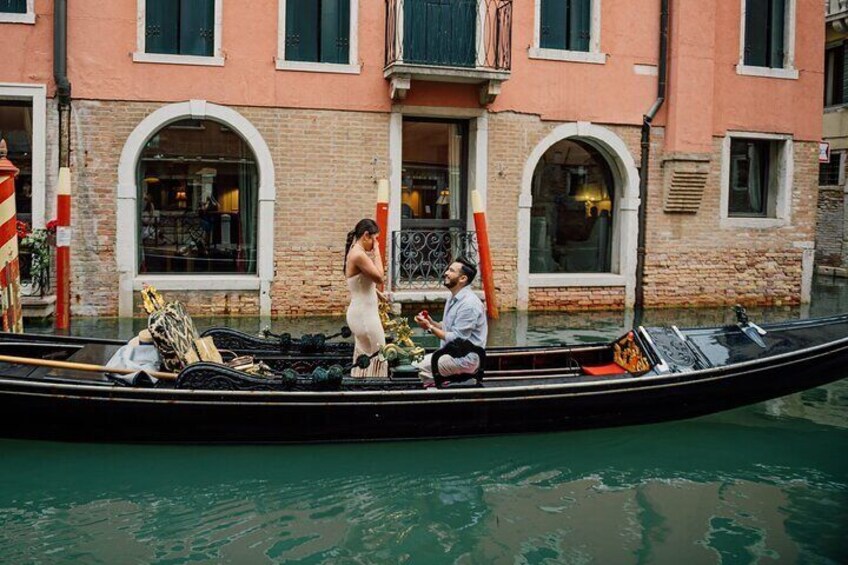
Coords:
572,216
197,201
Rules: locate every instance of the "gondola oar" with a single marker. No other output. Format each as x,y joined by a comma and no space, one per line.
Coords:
81,367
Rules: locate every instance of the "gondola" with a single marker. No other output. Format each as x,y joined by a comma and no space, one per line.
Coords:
649,375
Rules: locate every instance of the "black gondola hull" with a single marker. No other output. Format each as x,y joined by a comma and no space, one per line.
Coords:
64,411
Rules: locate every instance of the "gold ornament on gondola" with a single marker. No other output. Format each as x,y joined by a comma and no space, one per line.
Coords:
403,348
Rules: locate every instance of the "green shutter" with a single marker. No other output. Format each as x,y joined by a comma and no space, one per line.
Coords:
777,29
197,27
756,32
843,60
161,19
552,27
335,29
13,6
579,23
302,30
440,32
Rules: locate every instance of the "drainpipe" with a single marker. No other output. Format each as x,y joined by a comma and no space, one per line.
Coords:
645,158
60,76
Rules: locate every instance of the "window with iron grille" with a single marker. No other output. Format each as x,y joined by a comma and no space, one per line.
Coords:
13,6
180,27
565,24
829,172
834,75
765,30
318,31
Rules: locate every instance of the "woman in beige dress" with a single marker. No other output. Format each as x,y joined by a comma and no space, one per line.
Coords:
363,268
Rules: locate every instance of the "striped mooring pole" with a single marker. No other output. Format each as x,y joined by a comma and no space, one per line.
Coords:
10,273
63,250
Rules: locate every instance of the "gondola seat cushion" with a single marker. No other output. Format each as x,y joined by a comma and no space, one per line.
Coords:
602,370
174,333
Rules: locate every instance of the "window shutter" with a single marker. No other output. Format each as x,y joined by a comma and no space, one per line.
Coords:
161,18
13,6
302,30
552,27
197,27
777,27
756,32
842,60
579,22
335,31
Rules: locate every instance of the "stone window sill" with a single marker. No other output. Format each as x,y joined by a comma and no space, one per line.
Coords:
575,279
310,67
166,59
753,223
569,56
9,18
767,72
198,282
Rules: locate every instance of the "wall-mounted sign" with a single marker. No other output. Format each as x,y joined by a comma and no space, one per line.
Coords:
824,152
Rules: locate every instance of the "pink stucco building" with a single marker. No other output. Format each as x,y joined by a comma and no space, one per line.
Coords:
221,150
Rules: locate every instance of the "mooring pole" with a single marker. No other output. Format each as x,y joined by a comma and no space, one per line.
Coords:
382,216
10,274
485,255
63,250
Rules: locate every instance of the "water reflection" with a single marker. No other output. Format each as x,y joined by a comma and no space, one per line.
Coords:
742,487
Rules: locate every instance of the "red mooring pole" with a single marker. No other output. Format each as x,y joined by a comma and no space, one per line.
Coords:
382,217
485,255
63,250
11,312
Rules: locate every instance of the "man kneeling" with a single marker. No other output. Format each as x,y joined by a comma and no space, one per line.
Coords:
464,317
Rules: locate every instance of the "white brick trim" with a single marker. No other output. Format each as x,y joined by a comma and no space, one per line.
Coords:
785,174
788,71
141,55
127,237
625,224
593,55
37,94
352,67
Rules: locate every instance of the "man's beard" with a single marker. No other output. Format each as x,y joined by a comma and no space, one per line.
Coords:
449,283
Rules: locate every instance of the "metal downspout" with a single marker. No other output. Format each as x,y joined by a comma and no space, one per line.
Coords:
645,157
60,76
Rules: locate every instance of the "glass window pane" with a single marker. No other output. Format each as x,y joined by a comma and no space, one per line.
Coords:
198,201
749,177
573,210
829,172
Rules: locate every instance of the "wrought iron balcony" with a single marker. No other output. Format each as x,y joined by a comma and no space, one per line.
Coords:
420,257
450,41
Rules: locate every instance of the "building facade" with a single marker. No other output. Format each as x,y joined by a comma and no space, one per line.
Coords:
831,248
222,153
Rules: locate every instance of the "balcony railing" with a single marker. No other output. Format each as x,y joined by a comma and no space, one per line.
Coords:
448,40
835,7
420,257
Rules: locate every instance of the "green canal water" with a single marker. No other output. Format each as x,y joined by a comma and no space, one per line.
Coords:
763,484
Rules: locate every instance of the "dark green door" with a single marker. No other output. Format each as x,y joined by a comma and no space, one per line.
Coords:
440,32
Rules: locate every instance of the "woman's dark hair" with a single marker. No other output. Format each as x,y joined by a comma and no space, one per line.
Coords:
363,226
469,269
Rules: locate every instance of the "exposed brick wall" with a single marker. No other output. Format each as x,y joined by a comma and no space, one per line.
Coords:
576,298
830,226
205,303
693,260
325,164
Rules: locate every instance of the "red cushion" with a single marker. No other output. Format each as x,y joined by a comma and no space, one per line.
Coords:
600,370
